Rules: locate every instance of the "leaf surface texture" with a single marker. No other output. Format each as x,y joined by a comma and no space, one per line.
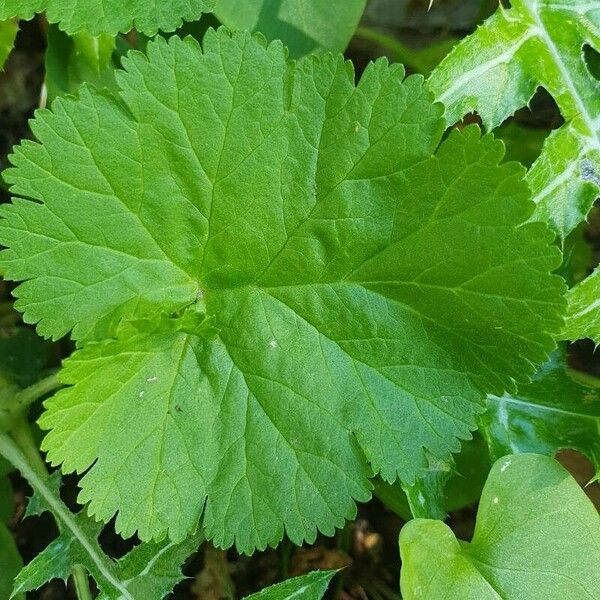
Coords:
309,290
109,16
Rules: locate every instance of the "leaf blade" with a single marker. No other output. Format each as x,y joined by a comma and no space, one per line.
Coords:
303,27
553,412
260,221
109,16
523,546
306,587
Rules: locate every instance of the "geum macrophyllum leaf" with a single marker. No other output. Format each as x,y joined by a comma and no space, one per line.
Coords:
304,27
496,70
306,587
537,536
583,314
109,16
553,412
334,295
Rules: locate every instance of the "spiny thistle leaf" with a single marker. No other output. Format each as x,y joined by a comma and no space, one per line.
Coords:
148,571
496,71
553,412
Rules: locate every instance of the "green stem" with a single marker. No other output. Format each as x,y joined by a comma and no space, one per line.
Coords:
25,398
82,583
23,454
584,378
285,554
397,50
23,437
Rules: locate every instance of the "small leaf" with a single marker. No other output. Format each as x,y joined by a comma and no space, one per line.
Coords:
109,16
148,571
304,27
537,536
153,570
553,412
307,587
496,70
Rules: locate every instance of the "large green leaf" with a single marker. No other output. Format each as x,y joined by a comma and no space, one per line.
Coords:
304,26
307,587
496,70
284,221
554,411
109,16
583,316
537,537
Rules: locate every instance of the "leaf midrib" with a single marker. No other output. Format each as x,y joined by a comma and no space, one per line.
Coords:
546,407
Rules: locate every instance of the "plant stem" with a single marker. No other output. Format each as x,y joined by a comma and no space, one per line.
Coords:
584,378
285,554
397,50
23,454
82,583
28,396
23,437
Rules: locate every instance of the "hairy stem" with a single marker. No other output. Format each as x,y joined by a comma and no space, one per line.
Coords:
23,437
28,396
23,454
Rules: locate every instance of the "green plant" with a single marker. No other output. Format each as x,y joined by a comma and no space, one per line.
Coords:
109,16
536,537
235,297
289,288
496,70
